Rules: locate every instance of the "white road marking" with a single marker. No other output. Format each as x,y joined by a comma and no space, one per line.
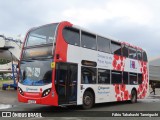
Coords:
3,106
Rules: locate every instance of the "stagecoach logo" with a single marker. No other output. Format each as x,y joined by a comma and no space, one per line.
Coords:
3,61
31,89
132,64
102,88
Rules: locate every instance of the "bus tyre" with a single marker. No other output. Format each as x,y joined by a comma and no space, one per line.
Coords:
88,100
133,96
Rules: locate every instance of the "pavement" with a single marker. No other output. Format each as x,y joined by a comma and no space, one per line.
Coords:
157,91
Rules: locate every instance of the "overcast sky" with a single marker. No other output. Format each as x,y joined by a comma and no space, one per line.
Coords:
133,21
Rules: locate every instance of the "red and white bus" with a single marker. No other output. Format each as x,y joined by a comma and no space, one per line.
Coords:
63,64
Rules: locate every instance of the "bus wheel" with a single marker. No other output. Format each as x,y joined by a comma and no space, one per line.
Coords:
133,96
88,100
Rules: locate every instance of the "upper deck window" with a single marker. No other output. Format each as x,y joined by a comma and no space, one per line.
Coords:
125,50
139,55
103,44
42,35
132,53
89,41
72,36
116,48
144,56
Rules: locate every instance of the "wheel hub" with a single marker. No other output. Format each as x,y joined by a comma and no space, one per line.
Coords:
87,100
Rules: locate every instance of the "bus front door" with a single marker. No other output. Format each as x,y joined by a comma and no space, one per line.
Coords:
66,83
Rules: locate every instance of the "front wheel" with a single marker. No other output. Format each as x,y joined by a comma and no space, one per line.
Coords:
133,96
88,100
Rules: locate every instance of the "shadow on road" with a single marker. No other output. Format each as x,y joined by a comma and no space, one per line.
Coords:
77,111
78,108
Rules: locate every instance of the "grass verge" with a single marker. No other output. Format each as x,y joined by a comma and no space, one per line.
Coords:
5,82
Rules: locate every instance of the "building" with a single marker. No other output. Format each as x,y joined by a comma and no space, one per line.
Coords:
154,69
10,50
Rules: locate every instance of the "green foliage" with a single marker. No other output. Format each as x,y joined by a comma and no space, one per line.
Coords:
3,61
5,81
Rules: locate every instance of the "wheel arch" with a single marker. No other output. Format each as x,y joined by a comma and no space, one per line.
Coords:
134,90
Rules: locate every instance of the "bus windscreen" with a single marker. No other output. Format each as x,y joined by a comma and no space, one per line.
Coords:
41,35
36,72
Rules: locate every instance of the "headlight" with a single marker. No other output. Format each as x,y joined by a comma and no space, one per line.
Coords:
20,91
46,92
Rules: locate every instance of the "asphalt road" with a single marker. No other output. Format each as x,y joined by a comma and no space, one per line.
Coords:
8,102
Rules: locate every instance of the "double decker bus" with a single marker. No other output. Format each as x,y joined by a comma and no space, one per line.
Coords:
63,64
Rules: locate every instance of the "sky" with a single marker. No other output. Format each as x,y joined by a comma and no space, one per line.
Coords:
133,21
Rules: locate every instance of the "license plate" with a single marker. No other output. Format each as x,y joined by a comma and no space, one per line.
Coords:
31,101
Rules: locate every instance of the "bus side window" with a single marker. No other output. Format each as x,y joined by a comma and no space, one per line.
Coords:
133,78
144,56
125,50
139,78
139,55
103,76
103,44
116,77
125,77
72,36
132,53
88,75
116,48
88,41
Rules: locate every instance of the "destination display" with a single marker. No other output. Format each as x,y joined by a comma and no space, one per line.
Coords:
89,63
38,52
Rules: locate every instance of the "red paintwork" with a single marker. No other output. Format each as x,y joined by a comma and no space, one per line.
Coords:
118,66
128,44
120,89
123,93
48,100
61,45
142,89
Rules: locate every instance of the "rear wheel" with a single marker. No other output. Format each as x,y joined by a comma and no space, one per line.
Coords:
88,100
133,96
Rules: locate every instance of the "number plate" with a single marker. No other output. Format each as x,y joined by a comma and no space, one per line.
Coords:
31,101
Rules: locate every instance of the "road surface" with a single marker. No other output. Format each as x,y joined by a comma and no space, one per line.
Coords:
8,102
